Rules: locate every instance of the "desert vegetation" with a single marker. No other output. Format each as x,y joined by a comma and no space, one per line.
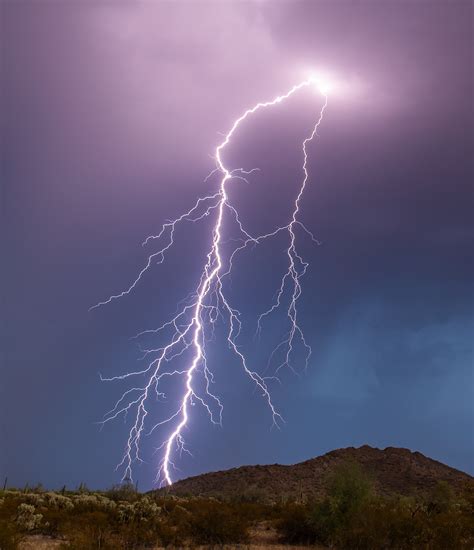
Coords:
117,519
351,515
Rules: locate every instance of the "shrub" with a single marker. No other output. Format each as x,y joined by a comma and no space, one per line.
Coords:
125,491
26,517
441,498
349,489
295,524
55,500
36,499
91,501
9,535
215,523
142,510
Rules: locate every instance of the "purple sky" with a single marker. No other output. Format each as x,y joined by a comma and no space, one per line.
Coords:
110,112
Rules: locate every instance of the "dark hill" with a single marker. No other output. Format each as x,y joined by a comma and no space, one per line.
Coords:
393,471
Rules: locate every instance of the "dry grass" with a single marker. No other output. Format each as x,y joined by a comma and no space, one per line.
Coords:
39,542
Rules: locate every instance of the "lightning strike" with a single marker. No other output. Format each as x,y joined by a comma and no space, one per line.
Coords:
187,332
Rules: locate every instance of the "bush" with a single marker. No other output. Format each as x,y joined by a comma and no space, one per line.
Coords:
9,535
10,532
125,491
212,522
349,489
296,526
27,518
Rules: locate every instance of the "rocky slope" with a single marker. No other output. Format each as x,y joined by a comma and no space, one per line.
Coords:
393,471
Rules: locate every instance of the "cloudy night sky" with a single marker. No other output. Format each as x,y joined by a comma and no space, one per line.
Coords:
110,116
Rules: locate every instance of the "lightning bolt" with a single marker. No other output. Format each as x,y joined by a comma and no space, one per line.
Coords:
192,327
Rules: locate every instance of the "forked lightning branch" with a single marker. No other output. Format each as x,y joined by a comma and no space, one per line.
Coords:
188,332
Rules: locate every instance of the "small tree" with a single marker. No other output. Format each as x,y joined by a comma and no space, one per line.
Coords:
441,499
349,489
